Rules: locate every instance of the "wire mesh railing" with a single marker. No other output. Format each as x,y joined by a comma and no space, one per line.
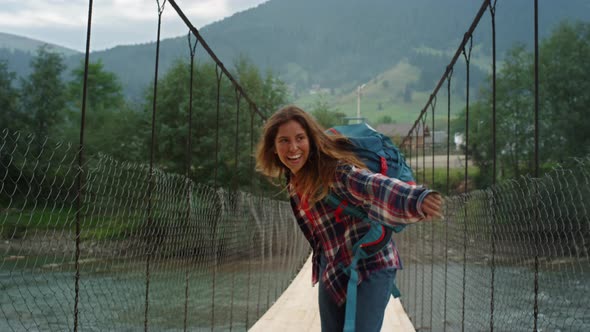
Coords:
512,253
96,238
216,262
92,242
448,270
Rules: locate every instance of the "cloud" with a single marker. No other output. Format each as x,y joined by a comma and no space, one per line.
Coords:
114,22
39,14
145,10
49,13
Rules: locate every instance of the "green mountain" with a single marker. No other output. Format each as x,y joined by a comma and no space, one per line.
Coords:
18,51
14,42
340,44
344,43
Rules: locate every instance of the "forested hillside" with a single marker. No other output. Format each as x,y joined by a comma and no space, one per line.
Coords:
18,52
396,59
339,44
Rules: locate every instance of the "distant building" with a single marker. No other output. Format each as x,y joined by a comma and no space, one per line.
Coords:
397,132
394,129
440,138
317,89
459,141
420,138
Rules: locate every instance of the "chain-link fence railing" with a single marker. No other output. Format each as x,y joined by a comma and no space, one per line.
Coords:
477,267
185,257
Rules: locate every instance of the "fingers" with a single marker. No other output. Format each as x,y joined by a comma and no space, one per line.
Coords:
432,206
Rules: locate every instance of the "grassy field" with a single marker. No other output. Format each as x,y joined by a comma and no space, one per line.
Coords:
385,95
17,222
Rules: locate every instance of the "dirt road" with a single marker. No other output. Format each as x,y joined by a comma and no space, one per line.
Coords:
440,161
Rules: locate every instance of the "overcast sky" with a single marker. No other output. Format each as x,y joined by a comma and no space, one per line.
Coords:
114,22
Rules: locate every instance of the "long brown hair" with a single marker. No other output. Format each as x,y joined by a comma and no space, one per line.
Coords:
325,152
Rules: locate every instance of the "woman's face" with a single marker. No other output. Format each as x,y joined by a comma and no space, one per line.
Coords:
292,145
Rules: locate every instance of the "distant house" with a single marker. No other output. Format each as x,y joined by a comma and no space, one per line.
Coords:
440,138
394,129
317,89
459,141
398,132
420,138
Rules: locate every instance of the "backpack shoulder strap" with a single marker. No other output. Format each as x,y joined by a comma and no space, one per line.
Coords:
376,238
342,207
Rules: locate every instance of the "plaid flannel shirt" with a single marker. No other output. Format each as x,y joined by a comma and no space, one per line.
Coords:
384,199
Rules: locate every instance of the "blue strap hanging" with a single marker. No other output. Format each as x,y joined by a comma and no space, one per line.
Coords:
374,234
379,235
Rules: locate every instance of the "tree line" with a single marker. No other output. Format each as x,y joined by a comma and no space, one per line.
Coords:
46,105
564,97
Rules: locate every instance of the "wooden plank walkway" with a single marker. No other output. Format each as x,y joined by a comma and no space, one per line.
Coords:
297,309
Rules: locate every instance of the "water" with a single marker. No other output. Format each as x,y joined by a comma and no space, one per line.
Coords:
113,296
563,298
114,299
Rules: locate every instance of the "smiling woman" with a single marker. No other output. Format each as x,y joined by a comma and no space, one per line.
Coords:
314,164
292,145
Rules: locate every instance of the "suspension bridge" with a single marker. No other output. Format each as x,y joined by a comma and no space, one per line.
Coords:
90,242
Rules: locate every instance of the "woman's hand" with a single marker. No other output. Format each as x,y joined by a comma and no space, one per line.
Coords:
432,206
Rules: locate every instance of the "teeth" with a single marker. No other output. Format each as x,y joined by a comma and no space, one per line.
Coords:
294,157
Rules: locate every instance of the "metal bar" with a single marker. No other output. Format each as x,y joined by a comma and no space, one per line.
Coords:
448,192
151,170
494,163
218,76
468,34
80,180
188,167
536,171
214,57
467,55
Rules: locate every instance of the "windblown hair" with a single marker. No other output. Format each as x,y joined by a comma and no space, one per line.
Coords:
325,152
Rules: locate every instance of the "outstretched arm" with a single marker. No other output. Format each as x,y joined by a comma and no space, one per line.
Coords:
387,199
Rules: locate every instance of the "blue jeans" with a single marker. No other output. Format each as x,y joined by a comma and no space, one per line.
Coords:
372,297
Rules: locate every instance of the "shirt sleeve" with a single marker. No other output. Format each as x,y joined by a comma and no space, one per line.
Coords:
385,199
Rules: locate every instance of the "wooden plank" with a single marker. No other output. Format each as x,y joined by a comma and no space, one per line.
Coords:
297,309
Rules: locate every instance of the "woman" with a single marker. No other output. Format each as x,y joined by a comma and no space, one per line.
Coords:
294,146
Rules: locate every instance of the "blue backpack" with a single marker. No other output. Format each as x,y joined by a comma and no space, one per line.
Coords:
380,155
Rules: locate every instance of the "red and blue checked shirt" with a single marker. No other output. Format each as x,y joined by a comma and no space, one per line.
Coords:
384,199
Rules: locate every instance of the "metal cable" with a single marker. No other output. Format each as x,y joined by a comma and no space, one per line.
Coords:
492,8
467,57
80,181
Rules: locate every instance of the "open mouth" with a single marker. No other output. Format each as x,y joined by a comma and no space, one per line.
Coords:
294,158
